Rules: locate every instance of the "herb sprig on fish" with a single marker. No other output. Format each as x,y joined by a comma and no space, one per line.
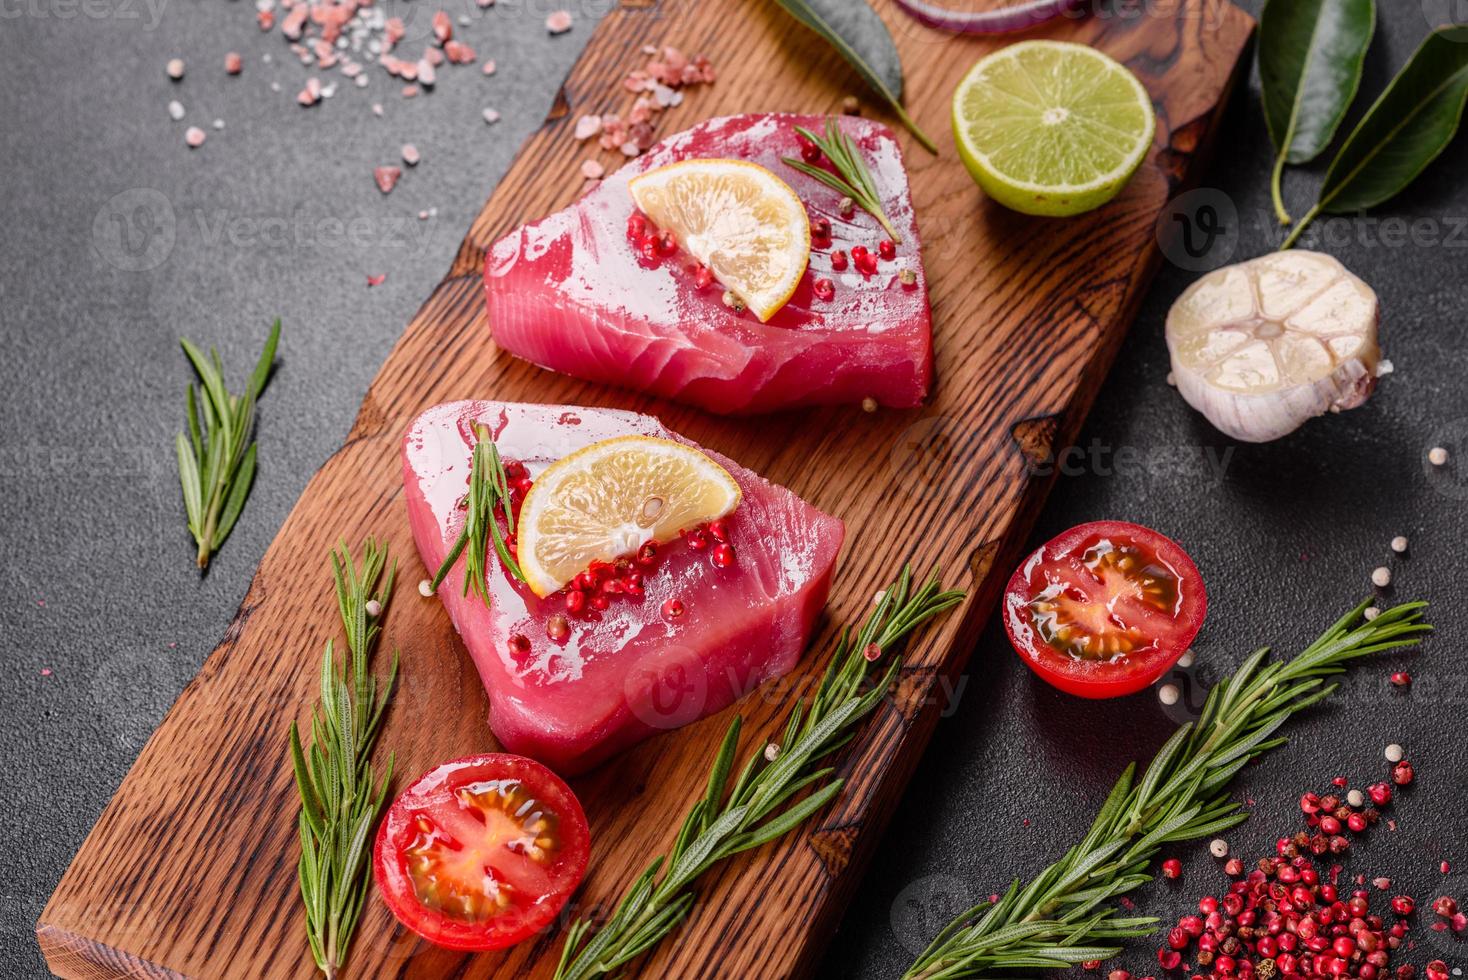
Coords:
489,490
852,178
756,809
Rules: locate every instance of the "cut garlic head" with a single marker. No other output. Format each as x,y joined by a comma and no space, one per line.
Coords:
1262,347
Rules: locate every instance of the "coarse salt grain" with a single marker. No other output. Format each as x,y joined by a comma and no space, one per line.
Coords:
194,137
592,170
1437,456
587,127
233,63
489,67
175,68
1381,577
411,156
1394,753
175,110
387,178
559,21
491,116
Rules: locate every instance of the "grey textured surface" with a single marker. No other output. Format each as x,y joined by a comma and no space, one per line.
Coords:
277,215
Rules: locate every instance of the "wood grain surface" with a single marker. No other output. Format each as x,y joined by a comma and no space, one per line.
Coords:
190,871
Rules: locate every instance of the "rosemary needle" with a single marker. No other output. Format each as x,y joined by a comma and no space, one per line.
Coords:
216,459
1065,915
489,490
852,178
756,809
341,798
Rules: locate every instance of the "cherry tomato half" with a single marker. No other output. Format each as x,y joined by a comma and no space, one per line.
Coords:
1105,608
483,852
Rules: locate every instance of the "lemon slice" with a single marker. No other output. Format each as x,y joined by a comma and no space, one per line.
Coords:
1052,128
738,219
607,499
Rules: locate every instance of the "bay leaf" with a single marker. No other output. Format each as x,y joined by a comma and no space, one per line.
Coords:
1311,54
853,28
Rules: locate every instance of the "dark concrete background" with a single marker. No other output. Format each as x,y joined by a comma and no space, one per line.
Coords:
99,587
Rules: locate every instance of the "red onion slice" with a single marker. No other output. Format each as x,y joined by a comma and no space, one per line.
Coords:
1005,20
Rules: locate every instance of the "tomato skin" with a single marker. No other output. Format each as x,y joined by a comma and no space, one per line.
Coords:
395,884
1091,678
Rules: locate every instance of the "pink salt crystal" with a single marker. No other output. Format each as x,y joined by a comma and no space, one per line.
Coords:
592,170
266,19
45,671
175,68
411,156
233,63
295,23
387,178
559,21
486,3
409,91
491,116
394,30
459,53
377,108
194,137
587,127
641,111
489,67
629,149
427,74
376,280
443,28
433,56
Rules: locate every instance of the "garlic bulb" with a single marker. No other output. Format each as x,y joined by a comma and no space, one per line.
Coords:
1263,346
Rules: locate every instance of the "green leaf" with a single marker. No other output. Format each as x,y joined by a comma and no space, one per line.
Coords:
261,373
1310,57
188,475
1407,128
243,478
853,28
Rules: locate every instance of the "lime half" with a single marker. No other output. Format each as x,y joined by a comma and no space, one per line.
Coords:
1052,128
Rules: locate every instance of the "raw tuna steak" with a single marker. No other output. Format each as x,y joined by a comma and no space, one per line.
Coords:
621,675
572,294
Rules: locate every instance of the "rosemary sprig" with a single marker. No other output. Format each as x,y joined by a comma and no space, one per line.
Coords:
1065,915
852,178
341,799
215,466
489,489
728,820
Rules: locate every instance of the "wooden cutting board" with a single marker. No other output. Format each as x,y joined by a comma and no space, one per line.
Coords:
191,868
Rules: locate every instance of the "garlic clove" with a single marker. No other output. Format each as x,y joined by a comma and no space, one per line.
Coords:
1263,346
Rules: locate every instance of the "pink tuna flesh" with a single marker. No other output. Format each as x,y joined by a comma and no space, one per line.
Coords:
631,671
572,293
